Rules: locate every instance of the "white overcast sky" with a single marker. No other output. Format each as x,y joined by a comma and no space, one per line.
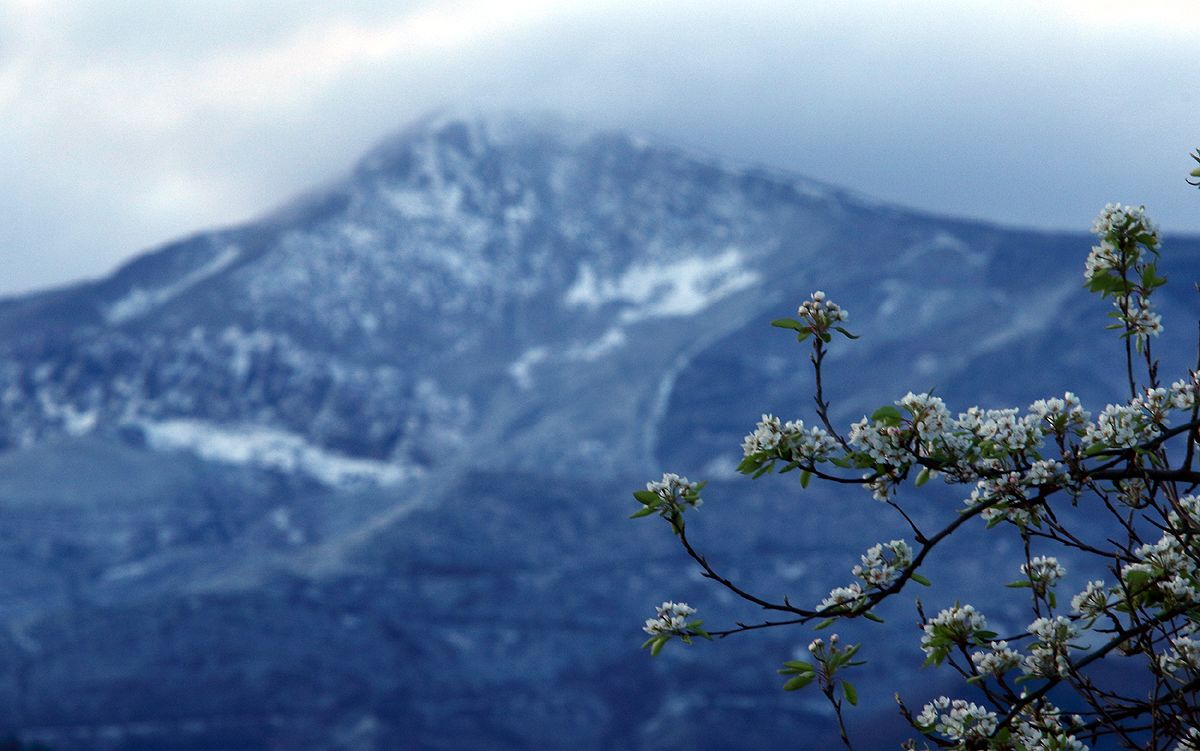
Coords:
124,123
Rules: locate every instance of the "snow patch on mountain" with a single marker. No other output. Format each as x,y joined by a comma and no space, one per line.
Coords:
138,301
682,288
612,339
521,368
274,449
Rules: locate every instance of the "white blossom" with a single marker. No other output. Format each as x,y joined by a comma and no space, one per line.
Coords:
791,439
840,597
821,313
882,563
1045,472
1043,572
955,625
1139,315
1060,413
1183,657
1003,428
1183,393
1092,601
998,659
957,719
1048,656
671,619
674,490
1116,222
1119,426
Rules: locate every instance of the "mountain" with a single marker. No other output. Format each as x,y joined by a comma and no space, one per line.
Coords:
355,475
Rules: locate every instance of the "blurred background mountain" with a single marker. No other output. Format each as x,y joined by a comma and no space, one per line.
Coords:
355,475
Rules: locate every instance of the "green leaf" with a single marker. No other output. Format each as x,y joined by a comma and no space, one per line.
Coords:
799,681
749,464
1018,585
851,694
845,333
825,623
796,666
923,477
888,415
803,335
805,478
657,646
872,617
788,323
647,497
642,512
921,580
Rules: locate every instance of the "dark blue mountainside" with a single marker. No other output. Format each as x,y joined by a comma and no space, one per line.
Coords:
356,476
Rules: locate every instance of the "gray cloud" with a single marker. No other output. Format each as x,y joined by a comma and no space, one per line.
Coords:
126,123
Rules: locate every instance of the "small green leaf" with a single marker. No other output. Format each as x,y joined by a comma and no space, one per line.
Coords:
846,333
825,623
872,617
643,512
921,580
799,682
805,478
657,646
923,477
851,694
796,666
888,415
788,323
1018,585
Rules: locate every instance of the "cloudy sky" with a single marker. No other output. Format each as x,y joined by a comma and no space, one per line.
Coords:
126,123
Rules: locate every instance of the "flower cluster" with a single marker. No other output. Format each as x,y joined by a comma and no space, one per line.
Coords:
1183,393
957,719
1043,572
843,598
1183,657
1002,429
1169,564
998,659
1060,414
959,625
1036,736
1048,656
789,440
1123,225
1007,499
1102,258
1139,315
1092,601
882,563
820,313
1120,427
670,619
1046,472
